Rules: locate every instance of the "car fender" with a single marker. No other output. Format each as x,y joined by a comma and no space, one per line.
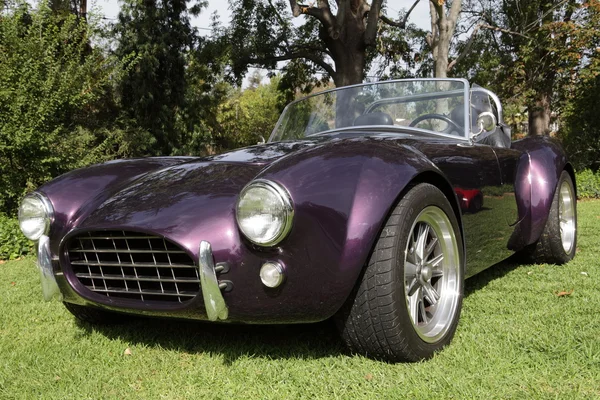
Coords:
77,193
538,172
343,193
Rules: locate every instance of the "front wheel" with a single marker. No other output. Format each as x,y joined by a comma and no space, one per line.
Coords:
408,301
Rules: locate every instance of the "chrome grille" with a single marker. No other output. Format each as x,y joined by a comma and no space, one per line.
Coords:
131,265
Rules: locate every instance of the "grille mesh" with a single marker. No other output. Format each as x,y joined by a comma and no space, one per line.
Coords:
134,266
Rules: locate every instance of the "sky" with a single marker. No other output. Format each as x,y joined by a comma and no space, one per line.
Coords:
419,16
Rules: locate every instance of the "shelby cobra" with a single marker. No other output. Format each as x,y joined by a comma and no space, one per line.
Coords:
350,210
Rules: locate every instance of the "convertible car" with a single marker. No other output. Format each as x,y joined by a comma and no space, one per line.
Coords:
357,208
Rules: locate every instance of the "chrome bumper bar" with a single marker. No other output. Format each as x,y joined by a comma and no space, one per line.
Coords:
44,263
211,291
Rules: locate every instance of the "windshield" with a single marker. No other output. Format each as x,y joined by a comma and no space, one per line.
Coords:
428,105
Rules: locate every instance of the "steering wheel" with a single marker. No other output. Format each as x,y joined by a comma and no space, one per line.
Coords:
441,117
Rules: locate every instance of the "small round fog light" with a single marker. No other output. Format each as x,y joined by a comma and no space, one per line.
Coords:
272,274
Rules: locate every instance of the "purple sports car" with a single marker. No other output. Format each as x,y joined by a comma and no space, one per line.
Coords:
348,211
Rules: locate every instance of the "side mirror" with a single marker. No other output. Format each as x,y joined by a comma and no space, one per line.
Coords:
486,122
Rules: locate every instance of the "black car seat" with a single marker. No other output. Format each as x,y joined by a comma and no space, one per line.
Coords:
374,118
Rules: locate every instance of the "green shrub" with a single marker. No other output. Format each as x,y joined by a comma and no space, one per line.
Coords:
588,184
12,242
53,97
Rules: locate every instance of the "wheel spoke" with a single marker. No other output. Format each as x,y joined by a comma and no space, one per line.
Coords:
423,311
431,294
413,307
412,287
410,269
421,240
431,247
436,273
436,261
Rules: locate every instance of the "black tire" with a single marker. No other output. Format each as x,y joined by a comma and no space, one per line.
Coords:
549,247
95,316
376,321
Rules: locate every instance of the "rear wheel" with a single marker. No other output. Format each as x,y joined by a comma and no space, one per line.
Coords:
407,303
558,242
95,315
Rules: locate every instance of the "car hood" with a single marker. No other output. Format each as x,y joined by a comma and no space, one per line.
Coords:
194,199
188,200
262,154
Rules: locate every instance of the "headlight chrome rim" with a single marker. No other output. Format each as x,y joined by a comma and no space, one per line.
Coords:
48,209
287,204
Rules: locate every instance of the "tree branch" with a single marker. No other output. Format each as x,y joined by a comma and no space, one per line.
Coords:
280,19
466,50
454,12
322,12
495,28
472,39
401,24
298,54
373,19
295,8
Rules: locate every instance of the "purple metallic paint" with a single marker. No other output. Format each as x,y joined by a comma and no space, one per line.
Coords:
343,188
539,170
75,194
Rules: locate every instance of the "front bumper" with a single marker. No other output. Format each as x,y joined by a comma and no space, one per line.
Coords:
54,284
44,263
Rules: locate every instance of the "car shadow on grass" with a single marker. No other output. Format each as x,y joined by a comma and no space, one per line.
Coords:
492,273
232,341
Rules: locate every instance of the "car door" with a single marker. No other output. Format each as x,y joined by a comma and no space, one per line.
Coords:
474,171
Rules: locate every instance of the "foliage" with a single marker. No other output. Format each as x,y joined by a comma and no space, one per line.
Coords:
12,242
581,133
533,51
246,116
336,40
54,94
588,184
153,92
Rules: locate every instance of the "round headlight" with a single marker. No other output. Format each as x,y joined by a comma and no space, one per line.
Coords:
35,215
264,212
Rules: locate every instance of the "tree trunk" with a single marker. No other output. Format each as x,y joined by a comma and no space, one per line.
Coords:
349,66
442,30
349,71
347,50
539,114
443,48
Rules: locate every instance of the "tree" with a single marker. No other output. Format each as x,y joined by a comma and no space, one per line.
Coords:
444,17
247,115
541,47
53,98
581,119
153,93
337,39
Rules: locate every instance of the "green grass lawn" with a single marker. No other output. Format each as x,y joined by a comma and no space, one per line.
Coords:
516,339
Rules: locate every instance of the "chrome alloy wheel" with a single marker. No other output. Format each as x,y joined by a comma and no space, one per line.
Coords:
432,274
566,215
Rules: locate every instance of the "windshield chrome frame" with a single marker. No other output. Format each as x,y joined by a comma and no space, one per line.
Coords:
466,102
392,129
